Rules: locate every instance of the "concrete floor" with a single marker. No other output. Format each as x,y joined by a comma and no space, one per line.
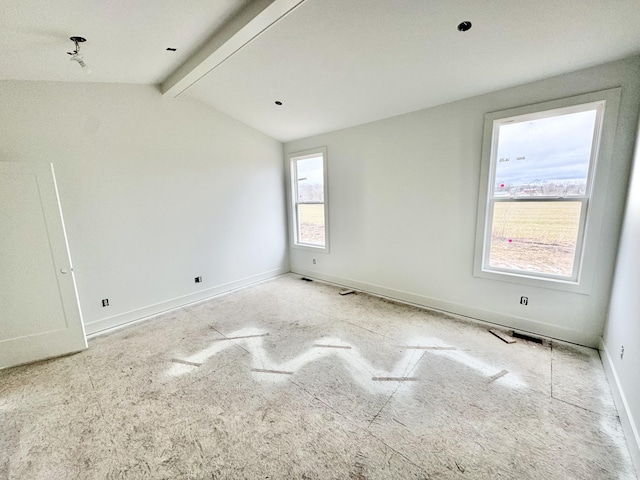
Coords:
288,379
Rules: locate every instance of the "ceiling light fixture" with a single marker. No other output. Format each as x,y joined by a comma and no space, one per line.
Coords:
464,26
76,56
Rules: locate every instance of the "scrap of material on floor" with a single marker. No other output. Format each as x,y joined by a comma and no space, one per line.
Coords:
288,379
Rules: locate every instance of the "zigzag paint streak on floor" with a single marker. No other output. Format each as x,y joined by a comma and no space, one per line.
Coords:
362,371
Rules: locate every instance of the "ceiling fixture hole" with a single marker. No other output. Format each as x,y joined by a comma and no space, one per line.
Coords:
171,49
76,56
464,26
278,102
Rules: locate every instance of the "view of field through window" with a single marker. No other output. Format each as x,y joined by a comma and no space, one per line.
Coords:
311,224
310,201
535,236
539,160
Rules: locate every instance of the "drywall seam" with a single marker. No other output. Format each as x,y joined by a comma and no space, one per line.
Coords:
457,309
624,412
155,309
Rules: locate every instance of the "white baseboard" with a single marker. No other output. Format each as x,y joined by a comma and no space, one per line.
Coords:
524,325
629,426
100,326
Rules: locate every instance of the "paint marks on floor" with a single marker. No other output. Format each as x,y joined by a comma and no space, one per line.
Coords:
429,347
498,375
395,379
364,372
361,369
320,345
242,337
186,362
483,368
266,370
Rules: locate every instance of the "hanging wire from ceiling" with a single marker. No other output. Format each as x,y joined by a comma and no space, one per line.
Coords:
76,56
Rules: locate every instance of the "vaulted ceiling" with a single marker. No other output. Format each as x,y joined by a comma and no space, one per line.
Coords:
331,63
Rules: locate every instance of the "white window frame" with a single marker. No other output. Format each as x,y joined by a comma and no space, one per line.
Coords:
292,159
592,211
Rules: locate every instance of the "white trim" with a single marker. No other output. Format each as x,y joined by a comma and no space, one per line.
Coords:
629,426
477,315
100,326
292,158
597,185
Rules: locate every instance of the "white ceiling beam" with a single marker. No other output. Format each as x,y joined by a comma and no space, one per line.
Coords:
257,17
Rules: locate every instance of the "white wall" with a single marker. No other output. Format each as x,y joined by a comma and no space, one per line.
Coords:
403,196
623,325
154,192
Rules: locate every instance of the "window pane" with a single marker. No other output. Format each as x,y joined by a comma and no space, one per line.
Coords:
535,237
545,157
310,180
311,224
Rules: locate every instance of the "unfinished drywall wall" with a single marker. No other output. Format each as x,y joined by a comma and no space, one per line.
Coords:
154,191
403,196
621,346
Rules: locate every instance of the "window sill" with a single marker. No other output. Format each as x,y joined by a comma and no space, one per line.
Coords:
310,248
532,281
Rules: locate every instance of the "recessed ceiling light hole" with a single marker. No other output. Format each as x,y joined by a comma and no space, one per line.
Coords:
278,102
464,26
171,49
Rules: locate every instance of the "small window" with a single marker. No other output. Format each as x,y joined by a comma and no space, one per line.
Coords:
309,199
539,188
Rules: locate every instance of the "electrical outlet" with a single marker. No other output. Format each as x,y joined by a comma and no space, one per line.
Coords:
524,300
621,352
198,279
314,261
105,302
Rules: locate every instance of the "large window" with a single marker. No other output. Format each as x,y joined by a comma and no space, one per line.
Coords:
309,197
539,188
